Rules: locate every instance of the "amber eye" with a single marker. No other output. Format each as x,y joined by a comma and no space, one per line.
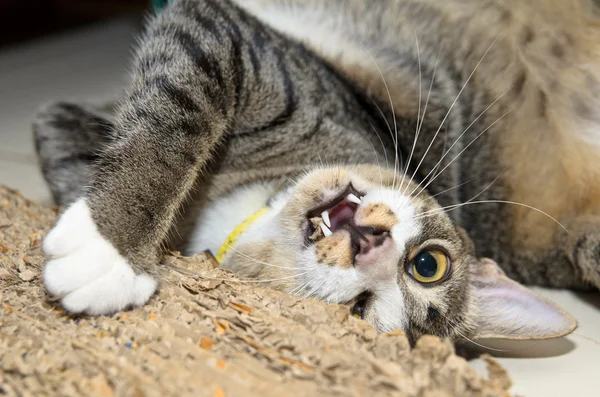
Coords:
429,266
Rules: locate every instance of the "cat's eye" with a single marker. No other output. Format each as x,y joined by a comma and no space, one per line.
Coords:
358,310
429,266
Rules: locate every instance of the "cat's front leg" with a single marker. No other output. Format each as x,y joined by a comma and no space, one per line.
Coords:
85,270
103,254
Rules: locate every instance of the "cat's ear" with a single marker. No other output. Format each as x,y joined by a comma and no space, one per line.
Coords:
508,310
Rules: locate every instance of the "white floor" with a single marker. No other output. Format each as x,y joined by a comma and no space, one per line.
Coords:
92,64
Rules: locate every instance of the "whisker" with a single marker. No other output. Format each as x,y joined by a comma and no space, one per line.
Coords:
439,164
487,187
389,127
320,159
419,118
469,181
378,163
387,163
396,163
253,280
417,128
459,154
454,103
446,152
455,328
420,78
312,290
315,288
452,188
246,256
437,59
454,206
240,253
362,236
299,288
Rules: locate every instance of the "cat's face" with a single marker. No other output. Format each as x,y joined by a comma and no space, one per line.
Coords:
396,258
365,237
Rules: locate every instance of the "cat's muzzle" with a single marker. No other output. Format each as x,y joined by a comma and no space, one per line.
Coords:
338,214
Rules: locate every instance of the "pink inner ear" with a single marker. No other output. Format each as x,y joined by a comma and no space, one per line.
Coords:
506,309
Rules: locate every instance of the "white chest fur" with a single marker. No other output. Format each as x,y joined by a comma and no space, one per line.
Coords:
220,218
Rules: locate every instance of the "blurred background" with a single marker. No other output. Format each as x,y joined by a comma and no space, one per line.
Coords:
50,50
22,20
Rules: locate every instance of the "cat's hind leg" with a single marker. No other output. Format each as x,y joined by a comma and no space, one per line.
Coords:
582,247
68,140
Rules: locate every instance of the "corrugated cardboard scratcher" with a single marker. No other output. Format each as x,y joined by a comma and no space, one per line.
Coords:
204,334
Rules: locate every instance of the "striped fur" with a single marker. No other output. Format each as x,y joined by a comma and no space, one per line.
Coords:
225,94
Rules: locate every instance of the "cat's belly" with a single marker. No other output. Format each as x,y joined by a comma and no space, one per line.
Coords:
219,218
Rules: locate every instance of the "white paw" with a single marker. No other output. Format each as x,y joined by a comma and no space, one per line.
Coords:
86,272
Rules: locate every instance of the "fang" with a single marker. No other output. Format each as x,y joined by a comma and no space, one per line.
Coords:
325,216
353,199
325,230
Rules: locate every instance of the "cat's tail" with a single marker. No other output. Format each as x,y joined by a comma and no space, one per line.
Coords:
68,140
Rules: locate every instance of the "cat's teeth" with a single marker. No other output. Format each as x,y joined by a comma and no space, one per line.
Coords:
353,199
325,230
325,216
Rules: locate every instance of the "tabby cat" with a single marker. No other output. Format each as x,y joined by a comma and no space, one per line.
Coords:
370,152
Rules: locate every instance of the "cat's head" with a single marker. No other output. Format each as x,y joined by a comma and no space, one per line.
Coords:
365,237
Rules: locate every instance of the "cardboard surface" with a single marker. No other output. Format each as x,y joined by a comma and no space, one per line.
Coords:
205,333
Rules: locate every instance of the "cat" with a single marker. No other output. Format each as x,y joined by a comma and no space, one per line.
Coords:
344,234
461,105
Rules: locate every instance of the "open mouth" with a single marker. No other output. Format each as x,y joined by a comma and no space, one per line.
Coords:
334,215
338,214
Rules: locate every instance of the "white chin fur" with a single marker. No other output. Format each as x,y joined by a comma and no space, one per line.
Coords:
86,271
389,308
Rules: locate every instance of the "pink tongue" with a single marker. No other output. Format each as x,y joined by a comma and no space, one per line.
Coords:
341,215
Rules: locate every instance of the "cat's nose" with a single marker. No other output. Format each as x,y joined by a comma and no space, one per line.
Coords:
368,242
375,254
